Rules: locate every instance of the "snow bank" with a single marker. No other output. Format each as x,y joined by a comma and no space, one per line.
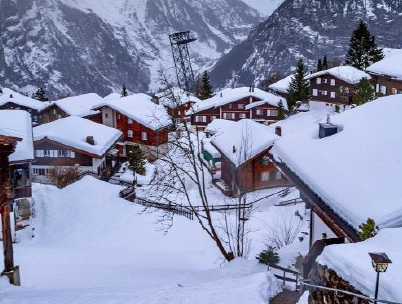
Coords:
73,131
353,263
17,123
357,172
346,73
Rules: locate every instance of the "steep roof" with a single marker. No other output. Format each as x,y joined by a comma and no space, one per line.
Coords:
181,97
21,100
282,85
140,108
356,172
17,123
72,131
346,73
390,66
80,105
231,95
243,140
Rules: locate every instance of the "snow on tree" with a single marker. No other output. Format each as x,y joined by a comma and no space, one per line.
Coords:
136,160
124,92
40,95
363,50
298,87
364,92
367,229
203,87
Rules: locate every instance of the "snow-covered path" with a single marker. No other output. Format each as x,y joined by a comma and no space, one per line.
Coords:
92,247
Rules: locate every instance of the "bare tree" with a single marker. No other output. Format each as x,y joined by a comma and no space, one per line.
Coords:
62,176
284,230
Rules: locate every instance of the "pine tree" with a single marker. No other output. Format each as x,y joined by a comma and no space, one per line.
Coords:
268,256
319,65
325,63
367,229
364,92
280,111
124,92
40,95
299,87
206,87
136,160
363,50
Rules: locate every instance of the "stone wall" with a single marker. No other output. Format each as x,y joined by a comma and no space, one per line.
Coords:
323,276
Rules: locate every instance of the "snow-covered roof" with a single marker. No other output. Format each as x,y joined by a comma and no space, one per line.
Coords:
181,97
80,105
218,125
17,123
282,85
346,73
357,171
111,96
391,51
140,108
389,66
211,149
353,263
248,138
73,131
21,100
231,95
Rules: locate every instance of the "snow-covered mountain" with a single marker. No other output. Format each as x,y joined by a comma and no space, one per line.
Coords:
308,29
265,7
78,46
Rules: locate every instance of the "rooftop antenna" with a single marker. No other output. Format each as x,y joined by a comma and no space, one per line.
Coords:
179,42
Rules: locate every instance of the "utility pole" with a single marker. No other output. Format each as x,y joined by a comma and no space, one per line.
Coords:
7,147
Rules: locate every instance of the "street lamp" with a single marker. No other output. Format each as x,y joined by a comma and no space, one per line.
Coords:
380,262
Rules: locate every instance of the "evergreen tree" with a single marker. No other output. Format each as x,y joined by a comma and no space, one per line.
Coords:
206,87
319,65
40,95
124,92
325,63
268,256
363,50
364,92
367,229
136,160
197,86
280,111
299,87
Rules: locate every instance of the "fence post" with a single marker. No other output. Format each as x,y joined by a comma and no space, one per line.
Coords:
284,277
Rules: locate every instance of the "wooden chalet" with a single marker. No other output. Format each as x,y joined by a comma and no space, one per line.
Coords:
387,75
74,141
236,104
245,165
80,106
176,102
335,86
142,122
281,87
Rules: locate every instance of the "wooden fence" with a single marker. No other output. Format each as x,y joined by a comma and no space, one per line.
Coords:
289,275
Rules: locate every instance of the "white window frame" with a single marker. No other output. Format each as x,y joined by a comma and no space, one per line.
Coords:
40,153
144,135
333,95
258,112
333,82
315,92
129,121
383,89
272,112
240,106
35,171
47,153
242,115
318,80
264,176
323,92
130,133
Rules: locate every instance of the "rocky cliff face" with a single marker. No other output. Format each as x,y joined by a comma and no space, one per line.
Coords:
307,29
79,46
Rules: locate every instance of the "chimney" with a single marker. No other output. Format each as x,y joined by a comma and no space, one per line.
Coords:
221,94
11,95
278,130
249,89
155,99
90,140
234,149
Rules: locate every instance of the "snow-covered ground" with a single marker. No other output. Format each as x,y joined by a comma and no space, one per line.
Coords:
93,247
127,175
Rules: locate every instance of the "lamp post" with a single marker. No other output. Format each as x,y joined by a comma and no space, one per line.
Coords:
380,262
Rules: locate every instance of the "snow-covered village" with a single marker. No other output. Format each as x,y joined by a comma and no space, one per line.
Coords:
200,151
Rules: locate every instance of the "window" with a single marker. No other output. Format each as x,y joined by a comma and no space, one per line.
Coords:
62,153
35,171
315,92
242,115
272,176
70,154
240,106
200,119
383,89
48,171
394,91
39,153
332,94
399,92
324,92
272,112
130,133
106,115
318,81
258,112
129,121
144,135
54,111
278,175
229,116
47,153
118,116
325,80
264,176
333,82
230,106
377,88
213,117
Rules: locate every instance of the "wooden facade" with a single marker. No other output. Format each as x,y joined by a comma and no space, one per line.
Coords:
180,111
386,85
14,106
330,89
257,173
54,112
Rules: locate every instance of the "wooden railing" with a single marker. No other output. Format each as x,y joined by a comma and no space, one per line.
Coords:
289,275
290,202
176,209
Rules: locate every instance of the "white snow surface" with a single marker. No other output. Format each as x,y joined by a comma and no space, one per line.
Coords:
346,73
389,66
93,247
180,97
282,85
353,263
231,95
127,175
80,105
391,51
247,136
73,131
21,100
17,123
140,108
264,7
357,171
